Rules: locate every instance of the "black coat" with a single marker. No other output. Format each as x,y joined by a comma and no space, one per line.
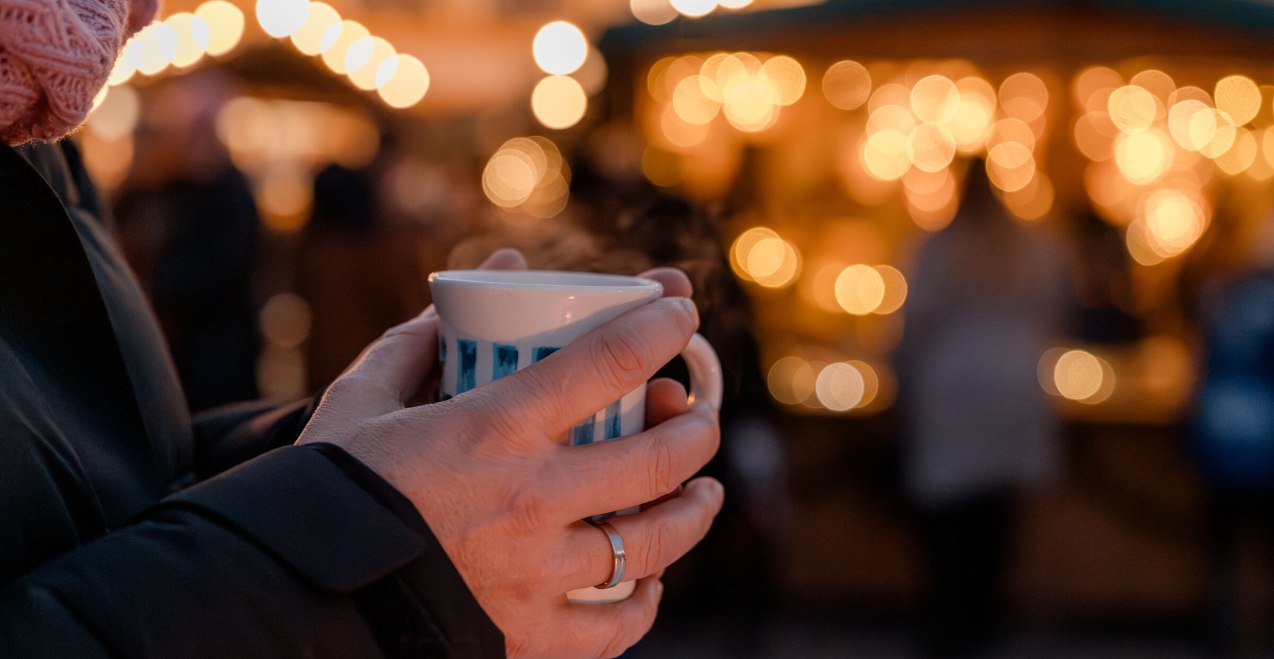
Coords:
129,530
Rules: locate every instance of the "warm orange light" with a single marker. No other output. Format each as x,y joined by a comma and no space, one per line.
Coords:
401,81
1213,131
653,12
364,59
1010,166
1033,201
1132,109
309,38
690,102
678,132
336,42
791,380
930,147
860,289
1093,85
839,387
1241,154
1181,122
935,99
895,290
847,84
558,102
786,76
1092,139
1156,82
884,154
1023,96
1143,157
1239,97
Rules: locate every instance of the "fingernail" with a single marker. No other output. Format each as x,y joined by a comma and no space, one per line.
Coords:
688,307
714,490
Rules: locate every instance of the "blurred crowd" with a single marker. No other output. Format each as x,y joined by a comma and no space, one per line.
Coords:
953,515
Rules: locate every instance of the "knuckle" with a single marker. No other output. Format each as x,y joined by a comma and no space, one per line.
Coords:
528,512
658,540
536,399
627,355
660,463
495,419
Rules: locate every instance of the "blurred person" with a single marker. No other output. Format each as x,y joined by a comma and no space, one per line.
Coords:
358,272
1230,299
1103,290
367,524
189,227
985,300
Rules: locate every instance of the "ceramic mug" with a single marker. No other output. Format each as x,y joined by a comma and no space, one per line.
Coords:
496,322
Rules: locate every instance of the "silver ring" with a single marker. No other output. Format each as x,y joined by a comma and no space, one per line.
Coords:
616,548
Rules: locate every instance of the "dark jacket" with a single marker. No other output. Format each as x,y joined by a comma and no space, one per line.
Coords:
129,530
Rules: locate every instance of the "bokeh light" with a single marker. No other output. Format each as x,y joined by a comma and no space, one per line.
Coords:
402,81
791,380
1078,375
762,256
839,387
930,147
884,154
1023,96
286,320
935,99
225,23
653,12
559,48
309,37
193,37
847,85
691,103
1239,97
528,174
1143,157
364,59
280,18
154,48
860,289
786,76
117,114
336,43
559,102
1010,166
895,290
1132,108
694,8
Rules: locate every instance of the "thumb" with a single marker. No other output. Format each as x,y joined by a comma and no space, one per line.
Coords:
392,369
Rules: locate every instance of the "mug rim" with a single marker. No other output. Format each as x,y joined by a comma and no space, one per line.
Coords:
543,279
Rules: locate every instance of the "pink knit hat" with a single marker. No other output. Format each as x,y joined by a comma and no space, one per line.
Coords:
55,55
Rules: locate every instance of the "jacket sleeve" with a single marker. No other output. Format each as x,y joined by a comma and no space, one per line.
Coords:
300,552
229,435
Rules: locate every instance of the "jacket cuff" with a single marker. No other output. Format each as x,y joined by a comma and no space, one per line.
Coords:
303,508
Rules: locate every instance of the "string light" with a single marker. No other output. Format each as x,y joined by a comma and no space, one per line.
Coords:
559,48
280,18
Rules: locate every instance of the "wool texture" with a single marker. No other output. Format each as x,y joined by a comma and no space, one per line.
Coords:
55,55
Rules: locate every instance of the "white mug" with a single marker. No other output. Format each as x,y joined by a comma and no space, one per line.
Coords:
495,322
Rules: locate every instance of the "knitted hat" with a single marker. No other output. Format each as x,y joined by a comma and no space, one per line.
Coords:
55,55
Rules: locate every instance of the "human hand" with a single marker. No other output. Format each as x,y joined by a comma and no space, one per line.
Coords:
505,500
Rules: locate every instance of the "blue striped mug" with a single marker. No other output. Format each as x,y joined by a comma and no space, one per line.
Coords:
496,322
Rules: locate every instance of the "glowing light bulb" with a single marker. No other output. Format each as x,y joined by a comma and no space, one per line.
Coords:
280,18
560,48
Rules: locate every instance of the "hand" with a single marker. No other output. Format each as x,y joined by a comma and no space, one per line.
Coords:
505,501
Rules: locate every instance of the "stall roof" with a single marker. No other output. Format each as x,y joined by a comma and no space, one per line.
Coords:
1075,29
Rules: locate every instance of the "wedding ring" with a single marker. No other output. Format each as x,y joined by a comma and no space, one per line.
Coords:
616,548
